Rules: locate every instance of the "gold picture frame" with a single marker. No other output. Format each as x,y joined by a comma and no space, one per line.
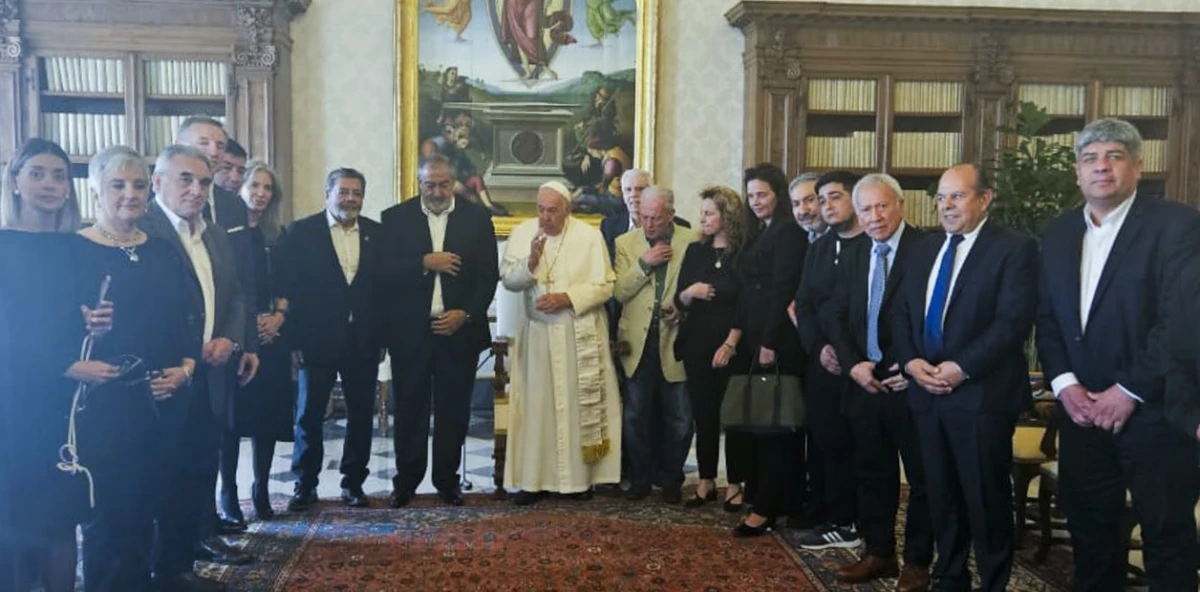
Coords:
407,132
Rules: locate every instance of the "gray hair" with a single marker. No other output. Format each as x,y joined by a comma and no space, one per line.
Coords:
629,173
114,158
436,161
667,195
803,178
1110,129
186,124
163,162
877,179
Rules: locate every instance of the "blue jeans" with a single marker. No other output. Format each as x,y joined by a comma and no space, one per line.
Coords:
646,392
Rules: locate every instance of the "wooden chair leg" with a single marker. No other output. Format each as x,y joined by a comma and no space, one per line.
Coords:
1045,499
1022,475
383,408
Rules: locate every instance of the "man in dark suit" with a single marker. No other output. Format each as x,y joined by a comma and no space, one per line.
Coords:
1107,271
442,274
333,263
961,319
209,137
830,439
182,179
881,423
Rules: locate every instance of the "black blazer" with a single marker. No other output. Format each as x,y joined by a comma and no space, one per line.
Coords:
988,318
706,323
770,269
1128,319
844,316
818,285
1181,396
231,210
233,317
471,235
320,303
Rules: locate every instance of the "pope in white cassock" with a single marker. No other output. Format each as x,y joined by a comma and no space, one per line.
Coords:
564,431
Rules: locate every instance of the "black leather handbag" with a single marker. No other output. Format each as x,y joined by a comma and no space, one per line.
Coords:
763,402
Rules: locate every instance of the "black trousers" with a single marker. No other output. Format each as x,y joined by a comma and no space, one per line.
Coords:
967,459
1157,465
883,433
770,480
706,387
359,369
831,448
262,451
186,517
440,374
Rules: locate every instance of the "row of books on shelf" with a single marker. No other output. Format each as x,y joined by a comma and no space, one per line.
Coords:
854,151
928,97
841,95
1137,101
1154,156
925,150
85,75
160,131
87,206
920,209
188,78
1057,99
84,133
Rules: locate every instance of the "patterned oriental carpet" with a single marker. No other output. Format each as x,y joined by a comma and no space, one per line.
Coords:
606,544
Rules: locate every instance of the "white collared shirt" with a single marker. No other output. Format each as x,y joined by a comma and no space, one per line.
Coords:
894,243
960,257
1098,242
193,243
437,232
632,223
345,244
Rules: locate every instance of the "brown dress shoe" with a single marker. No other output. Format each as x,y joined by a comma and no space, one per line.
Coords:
870,567
913,578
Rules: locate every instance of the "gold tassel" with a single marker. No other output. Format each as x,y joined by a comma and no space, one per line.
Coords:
593,453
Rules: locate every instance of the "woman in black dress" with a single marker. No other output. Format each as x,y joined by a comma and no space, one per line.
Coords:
264,409
40,504
770,263
121,437
707,293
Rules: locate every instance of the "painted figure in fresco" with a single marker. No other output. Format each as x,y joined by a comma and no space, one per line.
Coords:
601,118
522,24
452,14
453,144
603,20
595,172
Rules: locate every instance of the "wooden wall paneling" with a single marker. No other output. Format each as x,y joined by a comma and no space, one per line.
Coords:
1188,146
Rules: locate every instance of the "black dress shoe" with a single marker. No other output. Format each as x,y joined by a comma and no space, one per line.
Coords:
734,507
214,550
672,495
230,525
189,582
579,496
302,500
528,498
698,501
355,497
744,530
230,508
262,503
637,493
454,497
399,498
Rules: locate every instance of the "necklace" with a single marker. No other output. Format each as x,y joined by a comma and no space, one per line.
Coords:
130,244
720,256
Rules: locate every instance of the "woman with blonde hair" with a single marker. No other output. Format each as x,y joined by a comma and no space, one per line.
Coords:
707,294
264,410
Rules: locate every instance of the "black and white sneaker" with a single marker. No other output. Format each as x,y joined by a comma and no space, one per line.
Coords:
830,536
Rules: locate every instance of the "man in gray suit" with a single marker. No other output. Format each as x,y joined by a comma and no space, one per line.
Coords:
218,309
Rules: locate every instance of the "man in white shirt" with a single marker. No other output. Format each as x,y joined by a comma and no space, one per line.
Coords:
182,180
963,315
1107,271
331,278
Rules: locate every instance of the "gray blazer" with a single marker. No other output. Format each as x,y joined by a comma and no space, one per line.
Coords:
233,319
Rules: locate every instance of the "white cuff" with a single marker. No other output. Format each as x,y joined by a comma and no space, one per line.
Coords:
1130,393
1063,381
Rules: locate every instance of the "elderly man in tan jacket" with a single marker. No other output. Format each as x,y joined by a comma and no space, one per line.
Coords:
647,267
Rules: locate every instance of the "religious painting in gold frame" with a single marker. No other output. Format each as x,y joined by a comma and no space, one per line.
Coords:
517,92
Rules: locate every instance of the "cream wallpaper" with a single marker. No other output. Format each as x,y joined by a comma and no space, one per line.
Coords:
343,112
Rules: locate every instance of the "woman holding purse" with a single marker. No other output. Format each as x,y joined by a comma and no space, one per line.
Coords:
707,294
769,266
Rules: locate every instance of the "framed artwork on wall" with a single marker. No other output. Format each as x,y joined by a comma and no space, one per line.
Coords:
519,92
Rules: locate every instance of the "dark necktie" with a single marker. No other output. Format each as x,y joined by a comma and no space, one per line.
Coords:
937,302
875,301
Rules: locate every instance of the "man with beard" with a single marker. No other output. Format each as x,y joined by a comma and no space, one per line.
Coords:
806,205
332,270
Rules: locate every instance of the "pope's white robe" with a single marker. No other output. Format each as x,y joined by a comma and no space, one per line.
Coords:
545,448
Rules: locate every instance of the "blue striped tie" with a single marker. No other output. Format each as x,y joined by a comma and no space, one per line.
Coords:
875,300
937,302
